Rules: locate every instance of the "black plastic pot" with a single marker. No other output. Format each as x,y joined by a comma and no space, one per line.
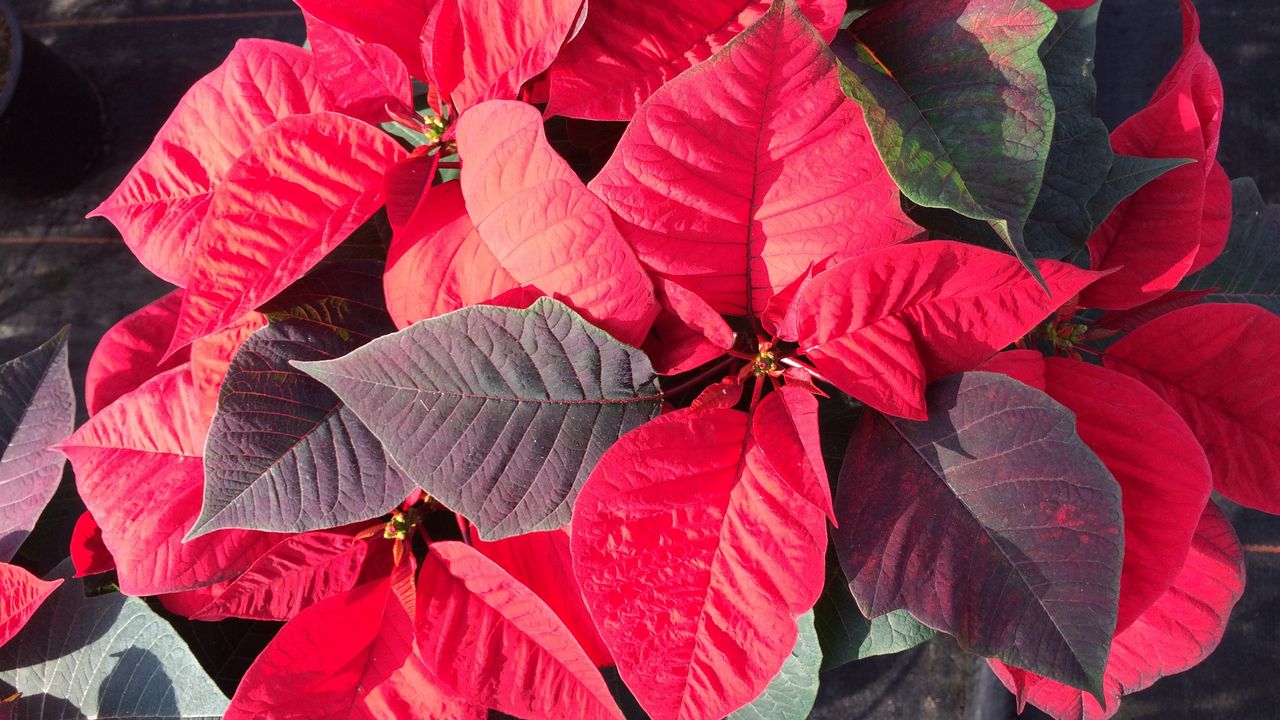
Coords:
51,119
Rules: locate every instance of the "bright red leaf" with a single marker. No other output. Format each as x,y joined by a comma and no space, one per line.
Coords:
789,419
1176,633
20,596
544,226
397,24
1164,477
540,561
687,331
1216,365
211,357
695,556
882,326
132,352
361,79
160,205
628,49
713,181
494,643
407,185
303,186
88,553
138,468
1153,238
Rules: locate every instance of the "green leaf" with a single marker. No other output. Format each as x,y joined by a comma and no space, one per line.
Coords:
791,693
1080,154
1126,176
1248,270
847,635
965,125
108,656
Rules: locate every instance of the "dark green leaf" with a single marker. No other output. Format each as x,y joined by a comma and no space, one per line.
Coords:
1127,176
847,635
498,413
965,125
1248,270
791,693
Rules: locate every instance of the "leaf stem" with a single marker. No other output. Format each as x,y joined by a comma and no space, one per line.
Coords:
711,371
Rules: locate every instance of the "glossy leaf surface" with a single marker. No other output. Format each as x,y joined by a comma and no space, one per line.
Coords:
695,558
284,453
991,521
499,414
1215,364
37,409
713,179
966,125
104,658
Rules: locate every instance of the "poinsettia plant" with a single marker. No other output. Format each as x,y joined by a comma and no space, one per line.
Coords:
705,344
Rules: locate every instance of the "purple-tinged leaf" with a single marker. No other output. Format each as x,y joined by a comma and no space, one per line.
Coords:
284,454
500,414
37,409
991,521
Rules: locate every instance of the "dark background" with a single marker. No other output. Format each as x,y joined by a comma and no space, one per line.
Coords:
57,268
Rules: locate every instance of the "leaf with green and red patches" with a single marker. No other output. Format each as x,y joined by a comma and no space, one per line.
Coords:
713,180
991,521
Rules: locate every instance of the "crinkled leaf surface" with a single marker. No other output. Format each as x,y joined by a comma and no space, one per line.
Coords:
211,358
1183,627
847,635
966,125
397,24
500,414
1152,239
1080,153
627,50
1215,364
1163,474
107,657
361,79
303,186
792,692
1248,270
695,558
132,352
991,521
37,409
713,179
542,224
162,202
21,594
494,643
138,469
883,325
284,453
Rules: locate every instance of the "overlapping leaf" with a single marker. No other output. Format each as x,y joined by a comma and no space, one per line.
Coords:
1215,364
21,594
299,190
161,204
489,639
211,358
992,509
500,414
397,24
1154,238
627,50
107,657
882,325
791,693
695,558
88,553
138,469
1176,633
284,453
361,79
37,409
1249,268
132,352
847,635
966,125
713,179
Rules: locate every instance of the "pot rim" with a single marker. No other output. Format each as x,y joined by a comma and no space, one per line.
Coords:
15,55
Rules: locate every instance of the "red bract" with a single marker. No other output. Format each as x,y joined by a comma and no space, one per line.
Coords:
363,80
88,553
132,352
21,594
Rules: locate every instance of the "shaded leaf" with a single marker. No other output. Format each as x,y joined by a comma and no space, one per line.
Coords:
967,125
792,692
284,453
162,202
107,657
695,558
495,644
500,414
629,49
542,224
1215,364
1248,270
211,358
1128,174
132,352
991,509
323,173
37,409
847,635
713,180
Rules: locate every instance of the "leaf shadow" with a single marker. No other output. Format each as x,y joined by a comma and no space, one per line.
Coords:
138,679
